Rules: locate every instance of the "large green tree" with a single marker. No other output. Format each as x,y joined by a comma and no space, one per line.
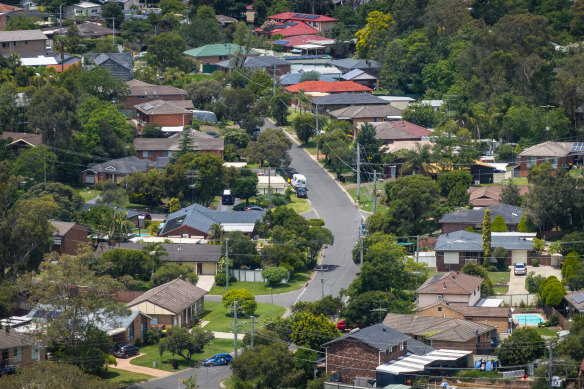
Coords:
523,346
67,198
184,342
272,147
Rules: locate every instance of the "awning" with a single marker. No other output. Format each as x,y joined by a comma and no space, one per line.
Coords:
172,128
417,363
308,46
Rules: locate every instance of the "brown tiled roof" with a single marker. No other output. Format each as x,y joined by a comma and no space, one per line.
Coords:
7,8
13,338
548,149
366,111
450,283
485,196
157,144
141,88
173,296
469,311
161,107
205,142
436,328
62,227
404,125
31,139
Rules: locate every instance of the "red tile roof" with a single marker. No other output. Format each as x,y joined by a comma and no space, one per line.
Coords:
328,87
408,127
302,17
299,28
7,8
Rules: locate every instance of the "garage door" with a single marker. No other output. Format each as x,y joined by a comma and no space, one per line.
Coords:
519,256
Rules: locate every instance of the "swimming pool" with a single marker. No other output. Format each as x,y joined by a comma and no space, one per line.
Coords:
528,319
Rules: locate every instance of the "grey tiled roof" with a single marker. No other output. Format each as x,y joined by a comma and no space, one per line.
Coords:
173,296
418,348
510,213
141,88
127,165
123,59
459,241
256,62
294,78
22,35
366,111
201,218
349,99
379,336
512,242
180,252
349,63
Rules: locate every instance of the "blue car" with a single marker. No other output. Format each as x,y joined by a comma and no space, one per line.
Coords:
218,359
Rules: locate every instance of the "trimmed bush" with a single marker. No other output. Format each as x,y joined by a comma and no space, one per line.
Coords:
274,275
534,262
221,279
246,304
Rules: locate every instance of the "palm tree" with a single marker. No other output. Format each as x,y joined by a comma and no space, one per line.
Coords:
59,43
216,232
155,250
419,161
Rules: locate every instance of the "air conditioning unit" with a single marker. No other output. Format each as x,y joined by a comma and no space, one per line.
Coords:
477,182
186,236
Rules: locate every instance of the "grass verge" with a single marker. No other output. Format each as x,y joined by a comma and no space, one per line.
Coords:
123,377
88,194
297,280
218,320
299,205
367,199
165,361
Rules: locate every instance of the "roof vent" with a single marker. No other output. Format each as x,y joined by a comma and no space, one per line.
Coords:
383,329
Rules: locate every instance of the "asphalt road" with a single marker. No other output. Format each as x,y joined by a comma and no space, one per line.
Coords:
207,377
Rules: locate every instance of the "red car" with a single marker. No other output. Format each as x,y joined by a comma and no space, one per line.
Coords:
342,326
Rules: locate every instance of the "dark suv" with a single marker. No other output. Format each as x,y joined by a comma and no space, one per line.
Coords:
126,350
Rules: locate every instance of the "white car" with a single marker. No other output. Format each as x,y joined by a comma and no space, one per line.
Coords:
520,269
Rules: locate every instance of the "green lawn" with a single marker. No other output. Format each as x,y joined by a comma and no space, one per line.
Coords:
367,197
543,331
299,205
165,361
291,115
88,194
199,76
257,288
123,377
215,314
499,277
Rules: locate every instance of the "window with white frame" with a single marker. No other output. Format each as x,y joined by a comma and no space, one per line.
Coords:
401,347
439,296
36,353
146,154
554,163
451,257
18,354
530,161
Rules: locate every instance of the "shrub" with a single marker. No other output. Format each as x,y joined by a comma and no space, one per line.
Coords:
316,222
553,320
279,199
498,224
221,279
152,336
491,268
274,275
246,303
469,229
139,342
288,193
534,262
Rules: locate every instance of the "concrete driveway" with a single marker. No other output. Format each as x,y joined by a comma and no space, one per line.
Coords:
206,282
517,283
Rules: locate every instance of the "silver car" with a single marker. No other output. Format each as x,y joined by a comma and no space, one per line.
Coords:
520,269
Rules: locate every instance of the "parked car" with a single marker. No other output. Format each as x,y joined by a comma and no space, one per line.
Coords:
298,181
126,350
9,369
218,359
520,269
301,193
254,208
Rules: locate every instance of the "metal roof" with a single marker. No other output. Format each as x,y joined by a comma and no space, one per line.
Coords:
415,363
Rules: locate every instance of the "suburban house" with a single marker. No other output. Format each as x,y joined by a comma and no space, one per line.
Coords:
134,216
499,317
25,43
286,29
312,43
209,55
250,14
21,140
355,356
343,100
400,130
361,77
272,65
202,257
486,196
485,172
5,10
115,170
121,65
557,154
195,221
445,332
225,21
175,113
68,236
400,102
143,92
294,78
346,65
160,149
452,287
454,249
320,22
321,87
273,184
464,218
18,349
176,303
574,303
126,329
84,8
89,30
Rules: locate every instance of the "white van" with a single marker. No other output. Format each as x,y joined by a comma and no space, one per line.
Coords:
298,181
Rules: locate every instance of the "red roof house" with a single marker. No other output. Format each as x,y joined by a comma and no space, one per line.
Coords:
328,87
271,28
320,22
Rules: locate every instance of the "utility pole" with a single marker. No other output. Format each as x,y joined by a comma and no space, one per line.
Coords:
61,19
360,243
317,131
227,264
322,281
235,327
374,191
269,187
417,248
547,114
358,174
251,334
114,30
274,76
550,362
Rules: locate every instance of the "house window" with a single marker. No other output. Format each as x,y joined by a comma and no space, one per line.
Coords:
447,343
554,162
451,257
36,354
57,240
439,309
147,154
143,329
5,44
26,42
401,347
530,161
16,43
439,296
131,332
18,354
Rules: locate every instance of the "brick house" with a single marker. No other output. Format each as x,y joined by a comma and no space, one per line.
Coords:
557,154
177,113
444,332
68,237
21,140
328,87
115,170
357,354
452,287
126,329
495,316
321,23
23,42
400,130
176,303
485,196
359,114
18,349
143,92
156,148
464,218
209,55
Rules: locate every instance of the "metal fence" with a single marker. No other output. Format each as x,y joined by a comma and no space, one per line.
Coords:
252,275
515,300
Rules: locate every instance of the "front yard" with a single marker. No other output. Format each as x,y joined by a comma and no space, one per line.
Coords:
218,320
297,280
299,205
165,361
500,277
123,377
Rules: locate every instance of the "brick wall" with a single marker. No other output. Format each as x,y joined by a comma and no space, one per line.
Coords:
562,161
35,47
356,359
76,236
167,120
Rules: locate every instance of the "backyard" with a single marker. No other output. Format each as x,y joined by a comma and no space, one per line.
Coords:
165,361
297,280
216,315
